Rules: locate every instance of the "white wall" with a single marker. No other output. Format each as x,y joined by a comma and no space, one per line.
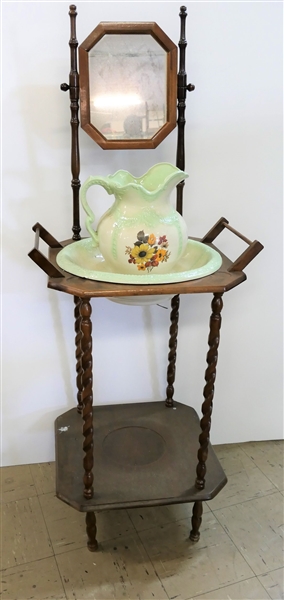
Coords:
233,157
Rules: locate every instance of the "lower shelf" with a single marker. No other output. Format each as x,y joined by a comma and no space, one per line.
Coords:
144,455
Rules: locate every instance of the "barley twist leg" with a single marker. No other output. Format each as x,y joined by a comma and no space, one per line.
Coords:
196,521
208,392
91,528
87,395
78,337
173,351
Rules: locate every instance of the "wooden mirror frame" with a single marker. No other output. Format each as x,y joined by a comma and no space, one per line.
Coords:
130,28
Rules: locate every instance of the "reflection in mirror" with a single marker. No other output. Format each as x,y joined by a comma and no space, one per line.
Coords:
128,86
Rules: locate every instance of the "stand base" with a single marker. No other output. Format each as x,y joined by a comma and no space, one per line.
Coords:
144,455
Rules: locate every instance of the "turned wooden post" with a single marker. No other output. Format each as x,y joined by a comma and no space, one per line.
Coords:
74,107
181,105
78,353
73,88
91,528
171,373
208,392
182,89
196,521
87,395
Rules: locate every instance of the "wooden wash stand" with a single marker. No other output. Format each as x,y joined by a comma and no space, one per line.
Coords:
141,454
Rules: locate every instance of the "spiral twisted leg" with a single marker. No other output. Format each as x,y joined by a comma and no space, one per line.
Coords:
208,392
173,351
87,395
196,521
91,528
78,337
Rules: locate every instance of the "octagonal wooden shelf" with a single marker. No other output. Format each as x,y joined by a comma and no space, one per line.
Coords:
145,454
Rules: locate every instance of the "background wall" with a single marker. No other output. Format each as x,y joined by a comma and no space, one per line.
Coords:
234,161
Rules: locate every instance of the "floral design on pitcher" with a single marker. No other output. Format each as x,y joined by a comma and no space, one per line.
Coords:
148,251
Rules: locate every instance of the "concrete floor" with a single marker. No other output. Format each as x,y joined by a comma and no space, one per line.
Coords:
145,553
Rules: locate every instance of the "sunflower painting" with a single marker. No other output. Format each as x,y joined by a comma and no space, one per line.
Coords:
148,251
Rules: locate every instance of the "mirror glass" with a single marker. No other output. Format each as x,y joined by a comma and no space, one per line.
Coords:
127,86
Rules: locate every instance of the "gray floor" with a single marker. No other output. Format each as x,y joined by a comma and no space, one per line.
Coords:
145,553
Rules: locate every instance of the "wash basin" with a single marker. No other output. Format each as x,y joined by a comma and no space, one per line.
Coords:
84,259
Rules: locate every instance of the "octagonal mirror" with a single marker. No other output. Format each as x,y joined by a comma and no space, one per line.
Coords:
128,85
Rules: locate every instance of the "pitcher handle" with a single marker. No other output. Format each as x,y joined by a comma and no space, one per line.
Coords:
90,215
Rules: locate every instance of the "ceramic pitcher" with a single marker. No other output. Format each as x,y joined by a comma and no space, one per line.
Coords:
141,232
